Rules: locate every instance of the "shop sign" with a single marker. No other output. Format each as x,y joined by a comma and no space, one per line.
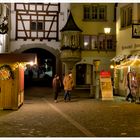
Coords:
106,85
105,74
131,46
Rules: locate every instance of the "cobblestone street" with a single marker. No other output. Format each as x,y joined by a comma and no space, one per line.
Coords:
39,116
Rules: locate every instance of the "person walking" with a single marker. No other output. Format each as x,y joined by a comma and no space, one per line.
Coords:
132,86
129,77
56,84
68,86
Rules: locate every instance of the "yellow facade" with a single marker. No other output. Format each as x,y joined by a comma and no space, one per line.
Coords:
94,28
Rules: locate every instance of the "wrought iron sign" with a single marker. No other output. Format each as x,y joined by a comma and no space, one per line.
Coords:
4,25
136,30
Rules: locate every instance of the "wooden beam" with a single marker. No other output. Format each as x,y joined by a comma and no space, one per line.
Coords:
17,57
23,26
50,27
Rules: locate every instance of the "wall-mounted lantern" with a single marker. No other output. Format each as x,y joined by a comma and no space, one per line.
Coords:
107,30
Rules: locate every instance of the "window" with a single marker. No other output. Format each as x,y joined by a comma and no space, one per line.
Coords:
90,42
86,42
99,42
129,16
94,42
109,44
87,12
126,16
36,25
95,12
33,26
102,13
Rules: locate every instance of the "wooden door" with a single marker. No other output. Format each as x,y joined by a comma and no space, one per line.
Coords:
6,94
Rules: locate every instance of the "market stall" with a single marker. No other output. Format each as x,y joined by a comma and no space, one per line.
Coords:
12,79
121,70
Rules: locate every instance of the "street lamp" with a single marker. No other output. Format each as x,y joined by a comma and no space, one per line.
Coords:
107,30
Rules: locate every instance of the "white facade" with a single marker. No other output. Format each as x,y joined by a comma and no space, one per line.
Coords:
18,44
125,43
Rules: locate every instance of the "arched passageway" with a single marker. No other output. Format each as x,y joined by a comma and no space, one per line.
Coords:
42,73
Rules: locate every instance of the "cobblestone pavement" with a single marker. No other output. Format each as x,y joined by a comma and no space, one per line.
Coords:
40,116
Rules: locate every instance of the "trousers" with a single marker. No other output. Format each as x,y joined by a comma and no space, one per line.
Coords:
67,94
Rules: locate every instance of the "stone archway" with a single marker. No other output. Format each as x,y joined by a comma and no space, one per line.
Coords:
53,53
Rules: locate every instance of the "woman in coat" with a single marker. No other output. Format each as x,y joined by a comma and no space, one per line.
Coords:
56,84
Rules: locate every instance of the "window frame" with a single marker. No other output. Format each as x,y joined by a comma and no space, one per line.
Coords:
95,9
37,25
126,14
102,42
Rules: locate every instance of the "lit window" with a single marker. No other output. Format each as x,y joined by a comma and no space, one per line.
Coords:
94,42
86,42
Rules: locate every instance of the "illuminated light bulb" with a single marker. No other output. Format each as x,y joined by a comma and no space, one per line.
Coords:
31,63
111,66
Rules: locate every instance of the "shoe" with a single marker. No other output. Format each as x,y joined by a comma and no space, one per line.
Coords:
132,100
55,101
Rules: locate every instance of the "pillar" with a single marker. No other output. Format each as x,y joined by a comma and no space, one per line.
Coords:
92,82
97,82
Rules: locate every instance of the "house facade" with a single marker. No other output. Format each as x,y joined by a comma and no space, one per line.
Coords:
34,27
92,18
128,44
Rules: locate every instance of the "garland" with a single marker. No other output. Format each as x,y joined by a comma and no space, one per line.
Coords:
6,72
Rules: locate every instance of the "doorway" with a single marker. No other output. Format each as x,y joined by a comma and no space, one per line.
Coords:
81,74
42,73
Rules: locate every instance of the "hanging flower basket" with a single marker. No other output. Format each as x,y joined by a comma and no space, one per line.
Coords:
6,72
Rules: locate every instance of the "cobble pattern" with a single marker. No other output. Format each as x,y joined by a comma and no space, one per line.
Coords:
40,116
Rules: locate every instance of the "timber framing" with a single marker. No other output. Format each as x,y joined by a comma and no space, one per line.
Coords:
37,21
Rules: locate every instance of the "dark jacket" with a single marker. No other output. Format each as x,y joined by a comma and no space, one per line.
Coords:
56,85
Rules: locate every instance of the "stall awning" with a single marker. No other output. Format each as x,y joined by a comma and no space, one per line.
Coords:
119,58
124,56
134,56
17,57
131,60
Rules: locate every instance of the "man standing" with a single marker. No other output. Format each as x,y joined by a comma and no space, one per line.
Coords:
68,86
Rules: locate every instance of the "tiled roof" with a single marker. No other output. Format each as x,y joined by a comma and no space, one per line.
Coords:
70,25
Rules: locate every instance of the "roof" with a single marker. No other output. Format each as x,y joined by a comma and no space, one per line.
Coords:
121,57
70,25
16,57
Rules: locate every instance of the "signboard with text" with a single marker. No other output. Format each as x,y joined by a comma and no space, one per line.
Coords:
106,85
